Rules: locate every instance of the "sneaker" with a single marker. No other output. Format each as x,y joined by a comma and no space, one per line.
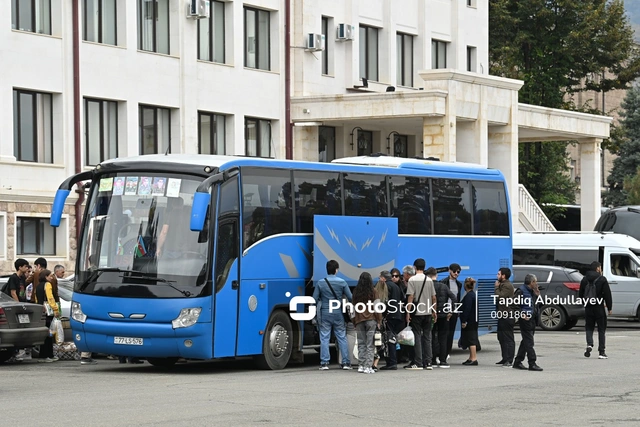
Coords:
587,352
324,366
374,368
429,367
444,365
519,365
369,371
437,360
448,356
87,361
346,367
413,366
603,356
54,359
501,362
535,367
507,365
360,369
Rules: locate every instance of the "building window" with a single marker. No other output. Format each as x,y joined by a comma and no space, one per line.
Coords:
100,21
368,53
155,130
471,3
325,54
365,142
34,236
404,62
257,137
400,144
32,126
256,39
101,130
326,143
438,54
211,132
31,15
471,59
211,34
153,25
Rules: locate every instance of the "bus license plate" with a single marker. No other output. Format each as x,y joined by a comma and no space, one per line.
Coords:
128,341
23,318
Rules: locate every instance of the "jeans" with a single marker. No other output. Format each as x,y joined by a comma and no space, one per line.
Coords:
595,315
527,329
335,322
439,337
366,330
506,339
421,326
394,326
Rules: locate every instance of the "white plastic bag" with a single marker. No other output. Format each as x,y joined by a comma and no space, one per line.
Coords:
56,330
406,337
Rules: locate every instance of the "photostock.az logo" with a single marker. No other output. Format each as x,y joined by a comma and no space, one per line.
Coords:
293,307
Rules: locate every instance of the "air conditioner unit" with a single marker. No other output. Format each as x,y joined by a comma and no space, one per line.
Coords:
198,9
345,32
315,42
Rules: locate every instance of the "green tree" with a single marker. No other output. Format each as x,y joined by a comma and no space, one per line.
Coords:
632,187
626,165
556,47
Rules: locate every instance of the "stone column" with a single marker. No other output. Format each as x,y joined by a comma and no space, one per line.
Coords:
439,133
503,155
590,197
305,143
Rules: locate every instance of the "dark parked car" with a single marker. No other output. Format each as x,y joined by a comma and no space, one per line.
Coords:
554,282
22,325
621,220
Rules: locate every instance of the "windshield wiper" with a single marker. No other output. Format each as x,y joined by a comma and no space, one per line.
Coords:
141,275
98,271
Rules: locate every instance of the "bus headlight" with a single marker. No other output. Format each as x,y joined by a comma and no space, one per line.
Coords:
187,317
76,312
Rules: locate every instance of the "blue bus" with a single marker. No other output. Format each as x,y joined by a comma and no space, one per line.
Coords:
199,256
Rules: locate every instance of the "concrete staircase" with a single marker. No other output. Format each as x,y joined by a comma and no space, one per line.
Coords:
530,216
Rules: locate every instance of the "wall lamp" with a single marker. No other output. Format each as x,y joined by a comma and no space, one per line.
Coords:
389,139
358,128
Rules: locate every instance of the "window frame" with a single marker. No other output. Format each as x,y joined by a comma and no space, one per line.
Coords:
15,6
100,32
325,54
156,109
256,41
258,123
20,237
104,150
365,44
141,18
212,135
17,144
435,53
401,57
212,34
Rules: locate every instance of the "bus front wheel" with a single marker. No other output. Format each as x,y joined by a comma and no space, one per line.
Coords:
162,362
277,343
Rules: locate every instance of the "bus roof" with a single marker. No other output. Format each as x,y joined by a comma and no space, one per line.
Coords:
568,239
368,164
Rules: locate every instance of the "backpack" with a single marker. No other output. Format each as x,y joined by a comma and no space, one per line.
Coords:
5,288
590,290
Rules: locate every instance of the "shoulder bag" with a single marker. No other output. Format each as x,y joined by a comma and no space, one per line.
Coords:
345,315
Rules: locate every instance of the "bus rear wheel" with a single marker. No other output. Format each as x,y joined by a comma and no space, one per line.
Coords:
277,344
162,362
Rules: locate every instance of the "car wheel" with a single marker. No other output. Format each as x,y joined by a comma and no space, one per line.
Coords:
552,318
277,344
570,324
162,362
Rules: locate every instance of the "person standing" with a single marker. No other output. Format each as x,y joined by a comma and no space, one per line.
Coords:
394,320
529,292
594,287
421,303
454,286
469,321
15,286
332,288
47,292
366,321
59,271
506,322
446,300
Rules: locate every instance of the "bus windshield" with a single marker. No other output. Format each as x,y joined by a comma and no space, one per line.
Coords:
136,240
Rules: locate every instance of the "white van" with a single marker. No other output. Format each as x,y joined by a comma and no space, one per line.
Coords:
618,253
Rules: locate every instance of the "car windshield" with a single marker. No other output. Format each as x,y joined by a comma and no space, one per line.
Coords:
136,240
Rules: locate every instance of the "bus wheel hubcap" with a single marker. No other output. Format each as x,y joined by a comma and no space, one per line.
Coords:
278,340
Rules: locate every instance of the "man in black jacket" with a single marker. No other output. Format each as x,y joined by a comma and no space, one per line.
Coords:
440,330
595,288
455,286
393,318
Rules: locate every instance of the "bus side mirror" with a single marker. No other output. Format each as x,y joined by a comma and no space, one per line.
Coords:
199,211
58,207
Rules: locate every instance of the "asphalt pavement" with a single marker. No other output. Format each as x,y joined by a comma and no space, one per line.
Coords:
571,391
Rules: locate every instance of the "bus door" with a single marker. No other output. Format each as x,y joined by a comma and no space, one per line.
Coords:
225,276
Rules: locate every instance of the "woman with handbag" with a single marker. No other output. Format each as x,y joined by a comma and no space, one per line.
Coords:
382,295
46,294
366,321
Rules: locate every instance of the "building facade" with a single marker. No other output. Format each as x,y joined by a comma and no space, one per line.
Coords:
403,78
